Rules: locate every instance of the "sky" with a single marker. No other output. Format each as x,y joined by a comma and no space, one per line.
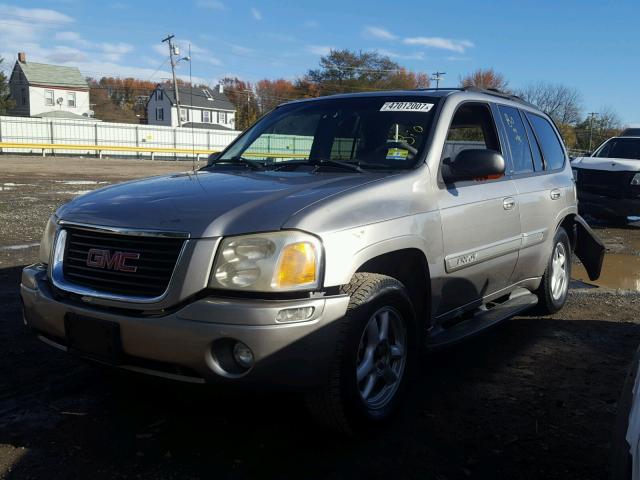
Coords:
593,46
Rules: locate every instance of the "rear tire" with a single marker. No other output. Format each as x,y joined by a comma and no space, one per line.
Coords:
374,357
553,290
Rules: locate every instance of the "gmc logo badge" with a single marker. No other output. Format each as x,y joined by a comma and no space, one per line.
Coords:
117,261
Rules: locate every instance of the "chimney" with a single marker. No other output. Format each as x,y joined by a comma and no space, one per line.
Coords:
221,88
22,57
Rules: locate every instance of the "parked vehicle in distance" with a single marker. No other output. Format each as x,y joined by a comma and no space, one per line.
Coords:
608,182
630,132
322,249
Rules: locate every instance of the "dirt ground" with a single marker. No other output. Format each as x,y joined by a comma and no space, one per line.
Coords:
533,398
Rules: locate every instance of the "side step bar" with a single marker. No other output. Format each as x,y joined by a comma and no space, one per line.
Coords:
444,337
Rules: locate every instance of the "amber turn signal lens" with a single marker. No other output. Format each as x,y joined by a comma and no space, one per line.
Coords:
297,266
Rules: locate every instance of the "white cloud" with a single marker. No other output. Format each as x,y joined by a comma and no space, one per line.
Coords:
210,60
198,53
280,37
378,33
211,4
257,15
111,52
401,56
311,24
457,59
439,42
67,36
35,15
114,51
30,30
240,50
319,49
63,54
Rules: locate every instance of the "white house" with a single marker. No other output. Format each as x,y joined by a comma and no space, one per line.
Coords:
41,90
199,108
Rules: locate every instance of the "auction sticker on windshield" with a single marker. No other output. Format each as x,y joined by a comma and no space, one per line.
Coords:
406,107
397,154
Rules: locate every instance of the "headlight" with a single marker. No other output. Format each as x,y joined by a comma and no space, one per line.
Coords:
46,244
268,262
636,179
575,173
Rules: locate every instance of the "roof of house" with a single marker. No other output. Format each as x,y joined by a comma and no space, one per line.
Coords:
209,126
66,115
54,75
198,97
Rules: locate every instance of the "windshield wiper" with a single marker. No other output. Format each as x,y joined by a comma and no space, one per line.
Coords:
239,161
319,164
336,163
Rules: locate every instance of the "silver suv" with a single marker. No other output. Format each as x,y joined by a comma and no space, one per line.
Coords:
321,250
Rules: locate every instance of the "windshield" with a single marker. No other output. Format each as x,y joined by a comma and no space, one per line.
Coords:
371,132
620,148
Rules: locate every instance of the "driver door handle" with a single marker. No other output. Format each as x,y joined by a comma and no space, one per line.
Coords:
509,203
555,194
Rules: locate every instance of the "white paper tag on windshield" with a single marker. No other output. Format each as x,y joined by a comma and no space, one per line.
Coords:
406,107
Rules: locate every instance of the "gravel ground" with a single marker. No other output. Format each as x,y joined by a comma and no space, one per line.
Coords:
533,398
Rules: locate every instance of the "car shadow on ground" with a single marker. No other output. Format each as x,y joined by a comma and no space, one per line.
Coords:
531,398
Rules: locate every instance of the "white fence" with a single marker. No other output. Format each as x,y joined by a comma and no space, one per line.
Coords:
33,131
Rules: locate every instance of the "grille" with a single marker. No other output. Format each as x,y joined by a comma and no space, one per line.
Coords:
611,184
145,272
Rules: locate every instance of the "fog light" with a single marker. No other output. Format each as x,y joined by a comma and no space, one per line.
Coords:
294,314
243,355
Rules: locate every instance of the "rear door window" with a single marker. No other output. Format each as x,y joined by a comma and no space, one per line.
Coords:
533,143
517,139
549,142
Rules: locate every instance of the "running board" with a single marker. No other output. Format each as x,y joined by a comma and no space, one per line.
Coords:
444,337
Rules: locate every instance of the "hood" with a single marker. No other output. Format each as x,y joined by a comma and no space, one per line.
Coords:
210,204
608,164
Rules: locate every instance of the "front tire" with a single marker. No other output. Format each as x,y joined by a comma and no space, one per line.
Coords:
375,354
554,288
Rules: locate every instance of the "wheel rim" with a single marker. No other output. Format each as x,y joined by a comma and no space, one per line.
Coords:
559,271
382,356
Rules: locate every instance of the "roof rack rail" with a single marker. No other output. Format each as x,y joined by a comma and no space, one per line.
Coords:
497,93
440,88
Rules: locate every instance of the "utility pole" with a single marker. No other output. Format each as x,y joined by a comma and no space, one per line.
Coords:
172,52
437,76
592,115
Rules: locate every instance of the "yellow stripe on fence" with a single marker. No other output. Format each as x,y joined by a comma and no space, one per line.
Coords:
121,148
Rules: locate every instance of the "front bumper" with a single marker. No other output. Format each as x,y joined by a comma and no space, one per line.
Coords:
608,206
178,345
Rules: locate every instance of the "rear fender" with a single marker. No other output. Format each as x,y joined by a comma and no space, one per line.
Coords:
588,248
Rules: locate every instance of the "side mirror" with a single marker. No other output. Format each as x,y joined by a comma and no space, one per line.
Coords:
474,164
212,158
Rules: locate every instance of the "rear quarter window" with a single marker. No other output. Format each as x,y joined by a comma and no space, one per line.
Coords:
552,150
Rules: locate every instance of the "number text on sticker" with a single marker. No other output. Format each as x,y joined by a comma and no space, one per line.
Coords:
406,107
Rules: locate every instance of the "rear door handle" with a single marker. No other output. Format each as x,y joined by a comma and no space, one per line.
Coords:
555,194
508,203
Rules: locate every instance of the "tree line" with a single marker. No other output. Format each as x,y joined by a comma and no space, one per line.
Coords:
344,71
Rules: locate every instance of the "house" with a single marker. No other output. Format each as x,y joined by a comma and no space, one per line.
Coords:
199,108
41,90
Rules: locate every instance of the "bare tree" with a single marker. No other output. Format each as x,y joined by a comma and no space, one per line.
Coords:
608,119
562,103
485,78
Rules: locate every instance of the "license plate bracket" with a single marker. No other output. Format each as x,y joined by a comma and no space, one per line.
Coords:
93,338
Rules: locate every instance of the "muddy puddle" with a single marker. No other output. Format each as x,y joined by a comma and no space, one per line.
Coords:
618,271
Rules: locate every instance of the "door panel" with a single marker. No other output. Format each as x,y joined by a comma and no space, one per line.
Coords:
481,238
480,219
541,197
